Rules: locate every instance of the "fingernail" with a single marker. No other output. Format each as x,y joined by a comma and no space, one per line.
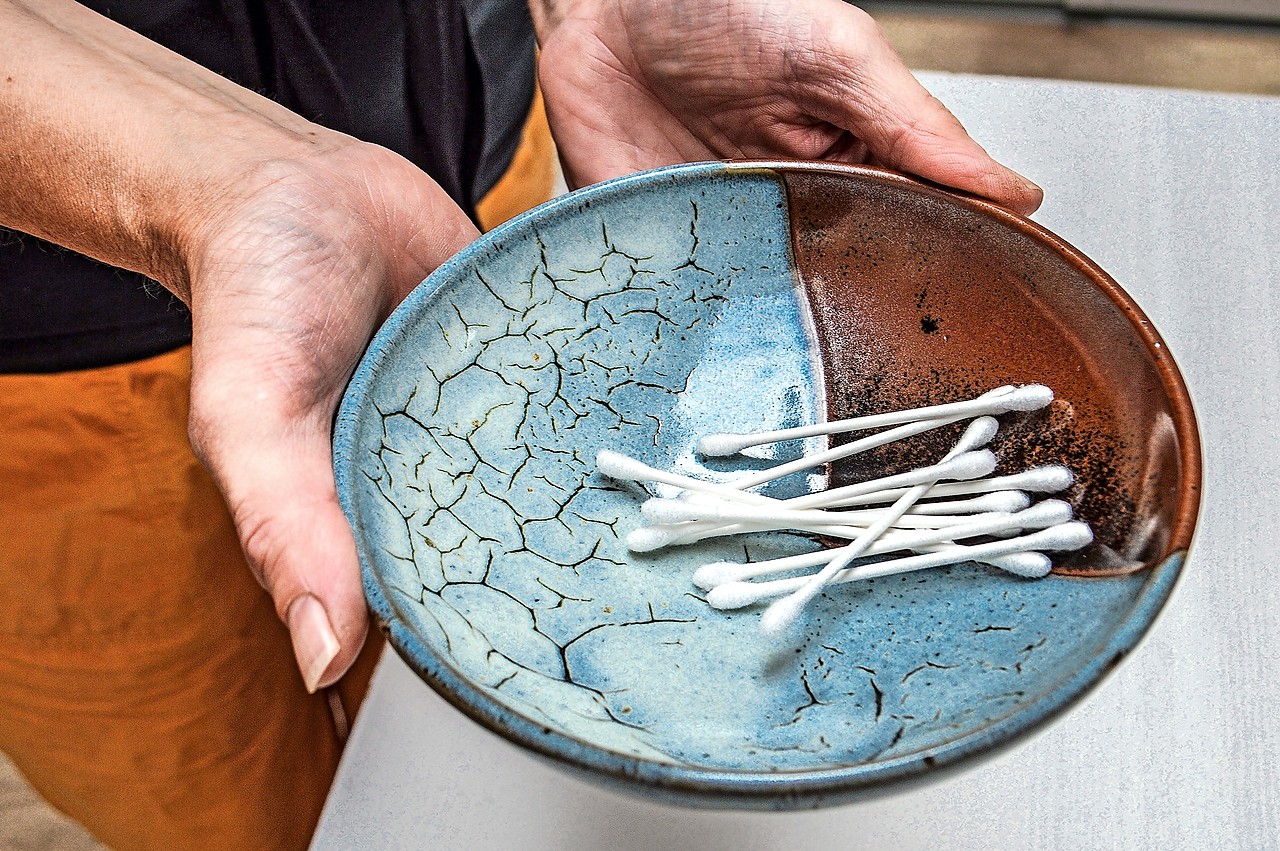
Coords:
314,643
1031,186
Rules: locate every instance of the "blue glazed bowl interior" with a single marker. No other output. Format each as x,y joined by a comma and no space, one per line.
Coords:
638,315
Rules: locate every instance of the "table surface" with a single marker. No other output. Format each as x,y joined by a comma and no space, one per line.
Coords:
1177,195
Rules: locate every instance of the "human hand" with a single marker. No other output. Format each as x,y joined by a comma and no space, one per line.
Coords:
290,242
634,84
287,285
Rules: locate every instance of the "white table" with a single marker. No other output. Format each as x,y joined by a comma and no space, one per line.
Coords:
1177,195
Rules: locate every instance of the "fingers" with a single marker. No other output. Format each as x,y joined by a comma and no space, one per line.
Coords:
904,127
287,289
279,486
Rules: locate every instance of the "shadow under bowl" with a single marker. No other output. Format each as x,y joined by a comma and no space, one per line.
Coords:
644,312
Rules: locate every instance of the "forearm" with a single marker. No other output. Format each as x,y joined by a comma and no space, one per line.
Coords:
120,149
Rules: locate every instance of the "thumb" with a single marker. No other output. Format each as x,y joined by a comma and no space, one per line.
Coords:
279,485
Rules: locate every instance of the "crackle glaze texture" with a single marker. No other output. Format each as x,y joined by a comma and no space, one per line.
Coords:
642,313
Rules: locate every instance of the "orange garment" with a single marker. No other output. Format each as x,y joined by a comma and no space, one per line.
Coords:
147,688
529,179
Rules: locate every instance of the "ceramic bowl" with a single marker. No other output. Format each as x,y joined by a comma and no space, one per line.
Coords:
641,313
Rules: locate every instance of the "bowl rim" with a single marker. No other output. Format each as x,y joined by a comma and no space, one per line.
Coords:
784,789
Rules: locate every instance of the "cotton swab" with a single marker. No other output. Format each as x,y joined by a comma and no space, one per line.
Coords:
624,468
650,538
1045,514
782,613
835,496
922,514
1047,479
1028,564
969,465
1067,536
673,512
1008,500
935,513
998,401
840,452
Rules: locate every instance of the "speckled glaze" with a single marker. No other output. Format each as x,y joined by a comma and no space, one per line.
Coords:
641,313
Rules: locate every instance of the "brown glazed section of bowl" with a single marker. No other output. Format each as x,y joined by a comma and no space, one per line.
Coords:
921,296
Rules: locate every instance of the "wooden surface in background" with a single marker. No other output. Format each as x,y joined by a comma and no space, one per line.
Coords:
1138,53
28,824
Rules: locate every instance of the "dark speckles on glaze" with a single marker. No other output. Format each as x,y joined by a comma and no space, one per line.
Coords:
939,300
649,310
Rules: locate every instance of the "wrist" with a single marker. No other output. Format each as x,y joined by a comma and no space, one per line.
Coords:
220,180
122,150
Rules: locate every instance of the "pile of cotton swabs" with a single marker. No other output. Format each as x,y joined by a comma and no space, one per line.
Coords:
970,516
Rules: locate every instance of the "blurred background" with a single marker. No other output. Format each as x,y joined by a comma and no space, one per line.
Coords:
1204,45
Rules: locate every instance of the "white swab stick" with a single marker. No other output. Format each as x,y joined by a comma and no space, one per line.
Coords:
835,454
906,526
921,515
1042,515
672,511
1047,512
998,501
719,572
1030,564
1047,479
615,465
998,401
834,496
647,539
1068,536
708,576
782,613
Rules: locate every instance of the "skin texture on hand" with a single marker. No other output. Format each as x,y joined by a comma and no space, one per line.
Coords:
634,84
286,292
290,242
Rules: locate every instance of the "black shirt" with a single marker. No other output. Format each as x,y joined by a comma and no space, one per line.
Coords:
446,84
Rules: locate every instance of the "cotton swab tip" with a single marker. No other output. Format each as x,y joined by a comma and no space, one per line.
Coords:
734,595
781,614
1049,479
1045,513
646,539
615,465
1001,501
1029,565
969,465
1064,536
715,574
979,433
1029,397
720,444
